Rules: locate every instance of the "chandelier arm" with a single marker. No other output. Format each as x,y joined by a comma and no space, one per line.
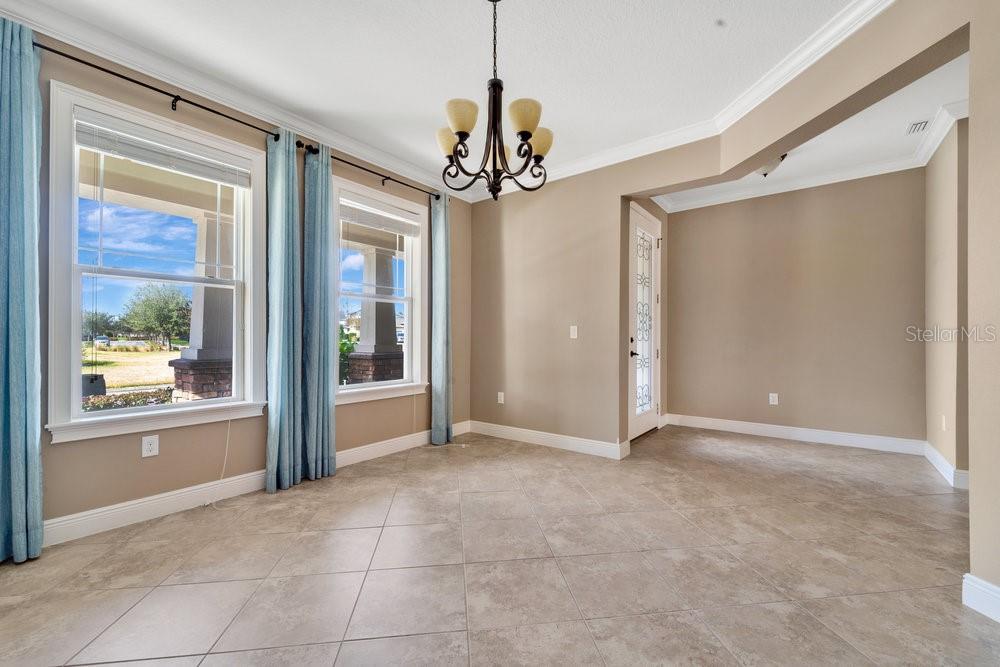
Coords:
523,150
537,171
449,174
462,151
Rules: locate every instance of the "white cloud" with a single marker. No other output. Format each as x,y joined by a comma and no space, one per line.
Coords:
355,261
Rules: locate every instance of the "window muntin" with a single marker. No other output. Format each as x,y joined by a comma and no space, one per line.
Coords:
379,291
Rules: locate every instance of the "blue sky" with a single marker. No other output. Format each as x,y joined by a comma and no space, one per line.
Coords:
153,241
132,239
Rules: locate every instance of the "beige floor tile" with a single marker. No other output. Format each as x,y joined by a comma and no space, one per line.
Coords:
947,511
687,494
920,627
887,567
294,610
133,565
503,539
311,655
517,592
567,643
804,521
56,565
196,614
444,649
183,661
410,601
779,633
586,534
276,517
679,638
664,529
618,584
569,507
55,625
490,479
552,488
231,559
195,525
364,512
735,525
868,516
442,481
411,508
622,498
800,570
711,577
417,545
946,549
328,552
495,505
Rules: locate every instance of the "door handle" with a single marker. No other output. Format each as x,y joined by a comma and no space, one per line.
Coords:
633,353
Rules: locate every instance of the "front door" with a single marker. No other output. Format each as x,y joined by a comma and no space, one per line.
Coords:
644,322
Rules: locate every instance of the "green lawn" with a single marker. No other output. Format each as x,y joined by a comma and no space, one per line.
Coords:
130,369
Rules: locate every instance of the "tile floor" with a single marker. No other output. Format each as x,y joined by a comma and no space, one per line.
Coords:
701,547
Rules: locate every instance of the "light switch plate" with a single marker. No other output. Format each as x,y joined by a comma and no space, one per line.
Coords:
150,445
772,399
572,331
499,398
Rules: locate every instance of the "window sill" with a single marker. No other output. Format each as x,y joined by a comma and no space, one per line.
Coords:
362,394
102,427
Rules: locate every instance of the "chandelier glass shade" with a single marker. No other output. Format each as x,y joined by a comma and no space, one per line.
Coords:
497,164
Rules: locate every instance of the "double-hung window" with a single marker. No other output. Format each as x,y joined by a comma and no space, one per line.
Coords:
156,271
381,304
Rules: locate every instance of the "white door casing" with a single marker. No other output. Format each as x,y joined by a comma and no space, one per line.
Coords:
644,322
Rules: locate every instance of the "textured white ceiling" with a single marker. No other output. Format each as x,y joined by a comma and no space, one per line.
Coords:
870,142
608,72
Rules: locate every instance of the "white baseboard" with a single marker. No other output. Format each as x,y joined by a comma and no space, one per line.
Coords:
882,443
982,596
393,445
91,522
609,450
957,478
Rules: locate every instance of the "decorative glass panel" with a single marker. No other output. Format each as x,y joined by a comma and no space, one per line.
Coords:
643,321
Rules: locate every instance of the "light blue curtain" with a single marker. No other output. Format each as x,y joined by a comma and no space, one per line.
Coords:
284,316
440,321
20,363
319,333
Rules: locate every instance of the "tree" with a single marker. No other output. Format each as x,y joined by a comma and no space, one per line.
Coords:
163,311
348,341
97,323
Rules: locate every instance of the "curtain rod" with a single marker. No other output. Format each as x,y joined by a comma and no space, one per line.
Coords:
314,150
175,99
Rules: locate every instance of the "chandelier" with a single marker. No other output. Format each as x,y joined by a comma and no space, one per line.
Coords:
496,167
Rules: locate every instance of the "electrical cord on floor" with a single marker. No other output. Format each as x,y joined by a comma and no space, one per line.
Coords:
225,459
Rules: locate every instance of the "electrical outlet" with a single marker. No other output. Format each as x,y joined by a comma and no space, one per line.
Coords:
772,399
944,423
572,331
499,398
150,445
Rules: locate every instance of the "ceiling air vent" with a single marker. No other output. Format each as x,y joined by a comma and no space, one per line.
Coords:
917,128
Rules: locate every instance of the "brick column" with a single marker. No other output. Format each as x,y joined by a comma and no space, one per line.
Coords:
196,379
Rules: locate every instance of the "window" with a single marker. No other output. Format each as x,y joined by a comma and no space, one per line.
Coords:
156,272
380,296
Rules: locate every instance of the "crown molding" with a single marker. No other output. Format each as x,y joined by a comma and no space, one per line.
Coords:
50,21
93,39
828,37
938,129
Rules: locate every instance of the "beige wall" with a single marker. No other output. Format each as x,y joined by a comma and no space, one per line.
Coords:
942,295
807,294
984,297
84,475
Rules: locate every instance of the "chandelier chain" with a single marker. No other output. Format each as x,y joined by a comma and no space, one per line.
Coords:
495,40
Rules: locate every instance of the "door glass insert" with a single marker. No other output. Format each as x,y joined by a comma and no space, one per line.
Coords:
643,321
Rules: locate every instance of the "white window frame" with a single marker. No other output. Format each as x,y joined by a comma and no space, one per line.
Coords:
65,421
418,275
